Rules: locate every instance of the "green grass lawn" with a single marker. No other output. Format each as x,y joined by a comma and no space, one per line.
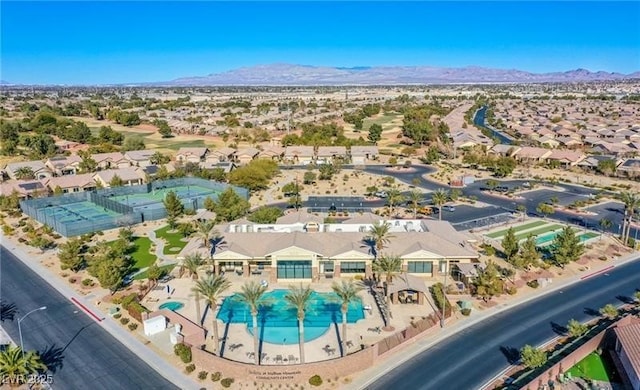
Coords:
139,252
173,240
517,229
591,367
539,231
383,120
166,268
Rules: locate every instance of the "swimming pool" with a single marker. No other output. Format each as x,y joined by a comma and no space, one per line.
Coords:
171,305
278,322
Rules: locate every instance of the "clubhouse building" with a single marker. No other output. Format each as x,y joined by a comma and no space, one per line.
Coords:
301,247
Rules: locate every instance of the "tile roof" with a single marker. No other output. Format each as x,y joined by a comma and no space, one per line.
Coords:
629,337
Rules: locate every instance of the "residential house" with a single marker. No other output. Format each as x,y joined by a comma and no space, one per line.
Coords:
221,155
590,163
64,165
627,349
39,169
71,183
549,142
629,168
246,155
129,176
361,154
298,154
531,154
113,160
139,158
227,166
329,154
24,188
272,152
569,142
566,158
195,155
504,150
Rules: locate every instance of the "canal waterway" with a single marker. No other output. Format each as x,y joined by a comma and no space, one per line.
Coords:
479,119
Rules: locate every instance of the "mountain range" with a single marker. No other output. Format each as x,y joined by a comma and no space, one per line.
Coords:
304,75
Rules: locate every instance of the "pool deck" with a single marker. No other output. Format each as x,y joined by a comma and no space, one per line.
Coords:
237,343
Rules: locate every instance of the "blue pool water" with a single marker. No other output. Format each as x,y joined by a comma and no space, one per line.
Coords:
278,322
173,306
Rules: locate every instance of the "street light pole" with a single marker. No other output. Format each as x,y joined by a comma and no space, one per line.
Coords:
20,329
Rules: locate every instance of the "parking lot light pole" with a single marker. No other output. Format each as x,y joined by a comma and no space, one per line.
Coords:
20,329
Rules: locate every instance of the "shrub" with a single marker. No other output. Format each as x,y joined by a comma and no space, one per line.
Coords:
133,326
216,376
465,312
124,320
202,375
315,380
512,290
117,315
72,280
87,282
226,382
533,283
603,258
183,352
190,368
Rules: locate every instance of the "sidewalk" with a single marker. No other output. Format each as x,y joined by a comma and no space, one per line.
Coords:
403,353
156,362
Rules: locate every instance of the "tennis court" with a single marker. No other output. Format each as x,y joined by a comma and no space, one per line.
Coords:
81,211
158,195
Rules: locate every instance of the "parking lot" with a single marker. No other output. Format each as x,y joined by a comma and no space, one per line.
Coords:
468,217
565,198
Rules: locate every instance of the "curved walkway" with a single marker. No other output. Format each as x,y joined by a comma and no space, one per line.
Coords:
162,258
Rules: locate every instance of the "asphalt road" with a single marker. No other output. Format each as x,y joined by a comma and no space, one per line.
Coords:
80,354
475,355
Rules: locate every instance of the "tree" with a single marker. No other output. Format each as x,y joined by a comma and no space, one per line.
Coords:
163,128
504,166
380,235
255,176
522,209
326,171
609,311
211,288
109,274
576,329
375,133
454,194
545,209
57,191
116,181
347,291
532,357
174,208
389,265
309,177
631,203
265,214
567,247
16,367
605,224
25,173
230,206
510,245
154,273
415,197
439,198
299,298
158,159
607,167
132,143
70,255
492,184
394,197
88,164
191,263
488,282
251,294
204,231
528,254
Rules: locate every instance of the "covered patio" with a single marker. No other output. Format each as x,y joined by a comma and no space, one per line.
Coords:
406,288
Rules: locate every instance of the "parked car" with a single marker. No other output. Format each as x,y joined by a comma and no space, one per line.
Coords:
449,208
381,194
526,184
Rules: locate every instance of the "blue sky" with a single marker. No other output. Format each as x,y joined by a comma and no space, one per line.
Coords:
117,42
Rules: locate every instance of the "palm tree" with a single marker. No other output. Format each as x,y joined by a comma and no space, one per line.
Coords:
251,294
605,224
204,231
439,198
522,209
394,197
15,367
380,235
631,202
191,263
389,265
299,297
24,173
347,291
211,288
415,197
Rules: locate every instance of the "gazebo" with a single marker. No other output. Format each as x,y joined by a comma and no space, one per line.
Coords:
405,288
